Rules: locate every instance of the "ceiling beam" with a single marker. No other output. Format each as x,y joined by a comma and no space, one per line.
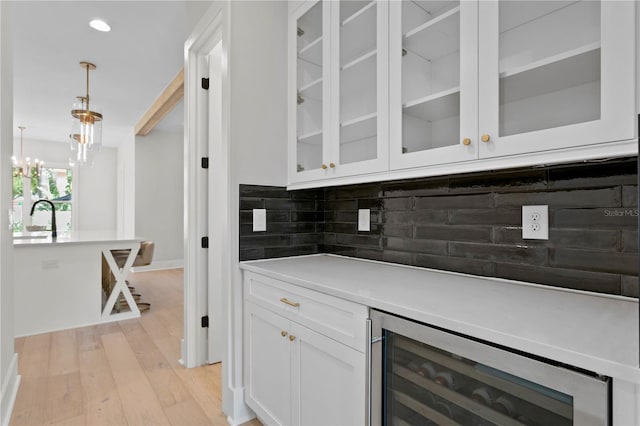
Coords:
162,106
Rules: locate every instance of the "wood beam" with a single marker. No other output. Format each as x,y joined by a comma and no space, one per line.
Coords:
167,100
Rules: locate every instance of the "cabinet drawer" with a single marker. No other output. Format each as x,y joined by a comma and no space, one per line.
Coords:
336,318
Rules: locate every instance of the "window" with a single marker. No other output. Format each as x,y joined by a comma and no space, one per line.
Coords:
54,184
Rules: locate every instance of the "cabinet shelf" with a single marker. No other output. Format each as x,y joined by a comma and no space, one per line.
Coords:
437,37
548,403
358,128
312,90
357,34
312,52
354,15
311,138
456,398
435,107
568,69
359,60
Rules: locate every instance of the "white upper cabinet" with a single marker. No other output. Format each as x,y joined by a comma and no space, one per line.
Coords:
555,74
434,82
340,87
415,88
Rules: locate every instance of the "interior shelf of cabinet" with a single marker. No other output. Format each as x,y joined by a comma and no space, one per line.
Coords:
312,90
568,69
312,52
359,128
353,9
359,60
456,398
435,38
436,106
519,390
311,138
358,33
399,422
423,410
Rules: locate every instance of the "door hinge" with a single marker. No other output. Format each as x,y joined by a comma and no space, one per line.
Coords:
204,162
204,321
204,242
205,83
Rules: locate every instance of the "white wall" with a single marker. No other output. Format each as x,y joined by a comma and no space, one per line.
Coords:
94,188
258,143
8,359
160,194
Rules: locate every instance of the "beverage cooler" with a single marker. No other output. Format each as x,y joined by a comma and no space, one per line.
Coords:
423,375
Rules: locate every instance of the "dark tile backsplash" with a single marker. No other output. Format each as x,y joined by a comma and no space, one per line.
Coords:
468,223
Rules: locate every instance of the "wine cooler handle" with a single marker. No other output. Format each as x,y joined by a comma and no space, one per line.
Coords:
373,378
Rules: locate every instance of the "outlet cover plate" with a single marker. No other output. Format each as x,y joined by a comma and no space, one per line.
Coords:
364,220
535,222
259,220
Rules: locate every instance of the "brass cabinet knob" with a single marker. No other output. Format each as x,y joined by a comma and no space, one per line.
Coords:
284,333
485,138
292,338
324,167
332,165
466,141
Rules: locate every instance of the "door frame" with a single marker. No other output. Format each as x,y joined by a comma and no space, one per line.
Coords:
208,273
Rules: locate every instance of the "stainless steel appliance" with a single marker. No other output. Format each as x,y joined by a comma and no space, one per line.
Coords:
422,375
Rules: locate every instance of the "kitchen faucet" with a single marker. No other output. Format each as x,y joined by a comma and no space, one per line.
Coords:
54,230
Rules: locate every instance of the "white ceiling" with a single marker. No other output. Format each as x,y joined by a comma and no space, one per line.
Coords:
135,62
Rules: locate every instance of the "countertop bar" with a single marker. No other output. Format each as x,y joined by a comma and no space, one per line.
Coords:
84,237
592,331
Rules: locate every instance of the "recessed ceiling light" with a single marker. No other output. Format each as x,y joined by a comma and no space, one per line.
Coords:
100,25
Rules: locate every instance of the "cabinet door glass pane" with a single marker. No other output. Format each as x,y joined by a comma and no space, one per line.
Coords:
549,64
310,89
430,74
358,81
427,386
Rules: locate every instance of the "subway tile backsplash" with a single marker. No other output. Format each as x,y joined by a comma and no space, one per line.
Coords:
467,223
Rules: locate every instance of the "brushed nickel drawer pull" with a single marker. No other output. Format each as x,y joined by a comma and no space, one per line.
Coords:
289,302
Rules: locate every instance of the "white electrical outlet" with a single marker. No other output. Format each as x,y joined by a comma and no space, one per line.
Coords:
364,220
259,220
535,222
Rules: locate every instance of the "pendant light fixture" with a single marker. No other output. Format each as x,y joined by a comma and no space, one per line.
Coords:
23,167
86,130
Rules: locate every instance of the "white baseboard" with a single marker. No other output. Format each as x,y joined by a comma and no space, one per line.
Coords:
241,411
9,390
160,265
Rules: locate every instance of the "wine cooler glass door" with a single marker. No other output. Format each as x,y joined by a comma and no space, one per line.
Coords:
431,377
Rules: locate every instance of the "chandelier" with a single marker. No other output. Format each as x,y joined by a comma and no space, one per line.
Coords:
24,168
86,129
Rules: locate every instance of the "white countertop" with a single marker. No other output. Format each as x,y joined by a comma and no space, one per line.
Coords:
84,237
588,330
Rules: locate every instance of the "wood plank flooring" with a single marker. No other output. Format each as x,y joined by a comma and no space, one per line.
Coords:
122,373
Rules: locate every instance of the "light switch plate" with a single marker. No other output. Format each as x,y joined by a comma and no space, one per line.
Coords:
259,220
535,222
364,220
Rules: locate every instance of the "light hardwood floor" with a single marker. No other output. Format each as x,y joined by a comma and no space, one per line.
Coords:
122,373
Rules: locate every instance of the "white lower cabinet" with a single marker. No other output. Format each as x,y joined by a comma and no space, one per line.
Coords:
294,375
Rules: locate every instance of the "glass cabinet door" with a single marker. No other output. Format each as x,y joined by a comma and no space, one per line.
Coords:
552,71
433,57
359,73
310,85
